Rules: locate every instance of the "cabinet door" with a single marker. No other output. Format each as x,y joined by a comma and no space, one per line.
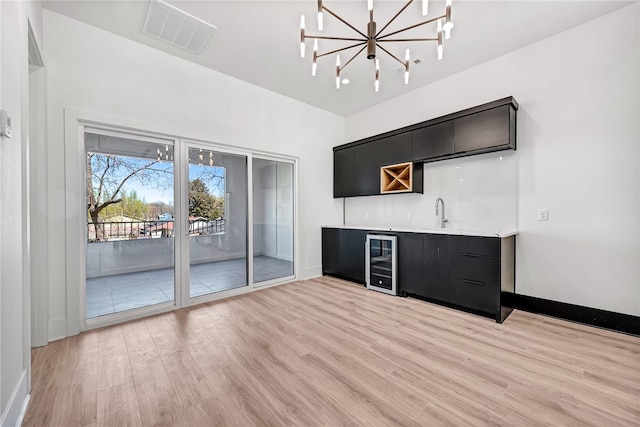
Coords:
411,264
343,173
483,131
395,149
366,168
352,256
433,141
331,251
436,267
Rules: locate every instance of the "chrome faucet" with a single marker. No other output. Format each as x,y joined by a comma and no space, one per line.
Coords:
443,220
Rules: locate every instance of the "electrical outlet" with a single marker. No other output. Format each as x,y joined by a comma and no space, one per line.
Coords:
407,214
543,214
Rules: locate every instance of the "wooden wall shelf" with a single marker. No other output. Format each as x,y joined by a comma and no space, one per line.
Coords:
396,178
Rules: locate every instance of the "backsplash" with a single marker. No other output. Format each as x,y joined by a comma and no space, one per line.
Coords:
480,193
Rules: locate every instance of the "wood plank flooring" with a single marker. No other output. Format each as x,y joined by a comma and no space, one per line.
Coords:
325,352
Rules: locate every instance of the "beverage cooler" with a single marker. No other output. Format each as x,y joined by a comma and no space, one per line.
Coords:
381,263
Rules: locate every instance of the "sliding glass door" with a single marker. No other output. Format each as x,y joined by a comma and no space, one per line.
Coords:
130,243
168,223
273,219
217,224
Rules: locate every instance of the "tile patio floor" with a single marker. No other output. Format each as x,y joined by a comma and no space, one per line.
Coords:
113,294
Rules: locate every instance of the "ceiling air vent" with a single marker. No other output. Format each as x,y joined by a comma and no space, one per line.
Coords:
176,27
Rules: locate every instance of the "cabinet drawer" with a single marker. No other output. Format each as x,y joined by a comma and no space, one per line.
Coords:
487,246
475,269
475,296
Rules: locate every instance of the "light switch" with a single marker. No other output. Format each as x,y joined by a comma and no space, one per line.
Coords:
543,214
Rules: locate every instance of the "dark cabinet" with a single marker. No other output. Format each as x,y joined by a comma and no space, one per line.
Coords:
488,130
431,142
436,267
482,129
411,264
473,273
343,173
343,253
480,273
356,170
395,149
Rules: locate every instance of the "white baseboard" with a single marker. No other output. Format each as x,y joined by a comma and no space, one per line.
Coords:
17,404
57,329
311,272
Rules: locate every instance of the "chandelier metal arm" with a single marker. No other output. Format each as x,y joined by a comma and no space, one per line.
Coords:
344,48
352,58
344,22
428,21
334,38
391,55
426,39
394,17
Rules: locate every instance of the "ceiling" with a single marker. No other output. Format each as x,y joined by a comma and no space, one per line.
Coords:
258,41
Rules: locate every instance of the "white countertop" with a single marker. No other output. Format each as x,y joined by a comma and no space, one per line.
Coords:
451,231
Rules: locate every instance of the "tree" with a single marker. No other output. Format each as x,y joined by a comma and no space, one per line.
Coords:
106,176
202,203
131,206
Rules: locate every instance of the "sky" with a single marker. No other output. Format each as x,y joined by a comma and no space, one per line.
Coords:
211,176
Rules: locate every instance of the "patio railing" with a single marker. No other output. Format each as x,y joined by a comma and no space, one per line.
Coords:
129,230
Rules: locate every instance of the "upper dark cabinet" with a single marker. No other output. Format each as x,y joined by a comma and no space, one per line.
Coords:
433,141
395,149
356,170
367,169
488,130
343,173
482,129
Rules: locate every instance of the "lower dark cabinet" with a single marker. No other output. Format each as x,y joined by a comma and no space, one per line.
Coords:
436,267
411,264
468,272
475,295
343,253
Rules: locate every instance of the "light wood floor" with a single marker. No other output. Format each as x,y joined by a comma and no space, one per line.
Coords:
327,352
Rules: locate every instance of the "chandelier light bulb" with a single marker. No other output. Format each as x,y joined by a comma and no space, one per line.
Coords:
377,64
407,56
406,77
425,7
447,33
314,65
302,48
320,17
370,4
439,51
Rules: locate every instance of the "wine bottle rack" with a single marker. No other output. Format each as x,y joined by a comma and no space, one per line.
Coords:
396,178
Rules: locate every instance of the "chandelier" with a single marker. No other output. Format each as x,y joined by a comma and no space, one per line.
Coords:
374,39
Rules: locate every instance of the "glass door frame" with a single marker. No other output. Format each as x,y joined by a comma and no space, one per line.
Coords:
182,206
76,123
125,315
294,164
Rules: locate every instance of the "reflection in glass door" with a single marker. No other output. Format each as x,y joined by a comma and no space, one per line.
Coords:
217,209
273,219
129,233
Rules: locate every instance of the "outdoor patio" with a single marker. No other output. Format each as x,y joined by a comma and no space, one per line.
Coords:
113,294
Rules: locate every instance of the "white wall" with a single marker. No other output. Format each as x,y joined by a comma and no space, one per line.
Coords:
14,214
578,156
89,69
